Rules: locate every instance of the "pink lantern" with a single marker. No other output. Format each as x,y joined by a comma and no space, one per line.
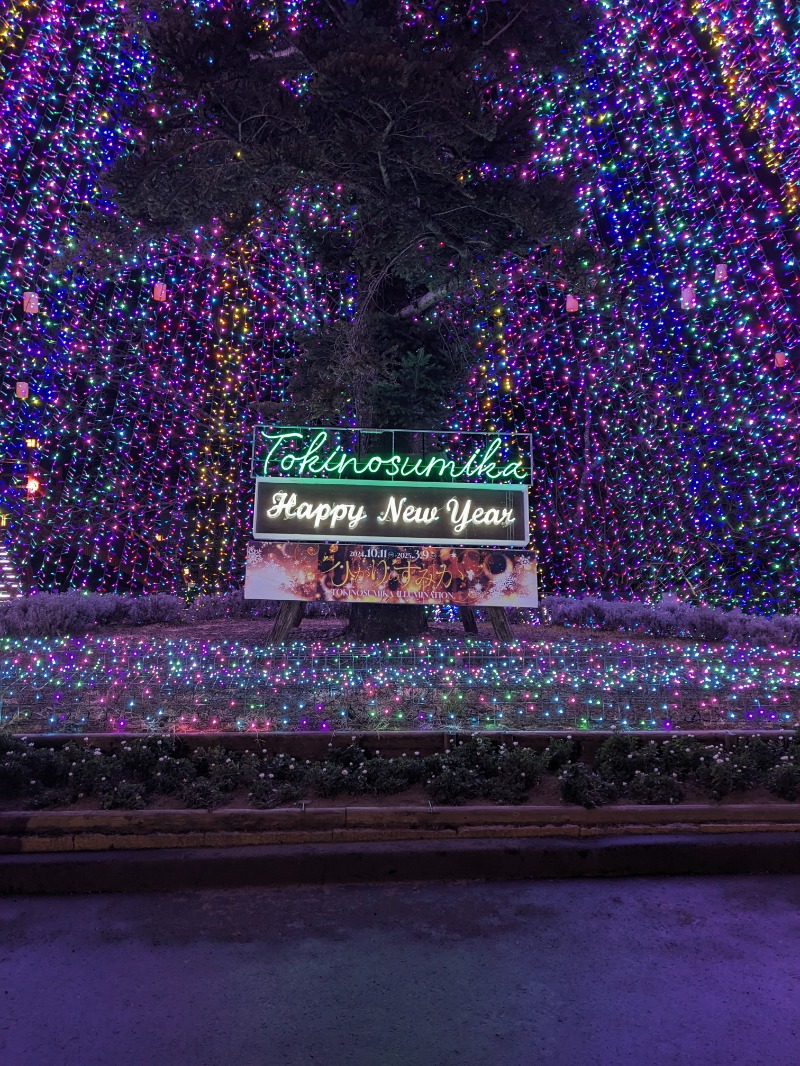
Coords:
30,303
688,298
572,304
22,390
780,359
160,292
721,272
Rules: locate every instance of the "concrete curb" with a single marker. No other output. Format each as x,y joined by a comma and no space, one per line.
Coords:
23,832
287,864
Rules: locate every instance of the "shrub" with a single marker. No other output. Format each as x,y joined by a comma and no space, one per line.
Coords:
655,788
558,753
681,756
585,787
108,609
473,769
88,769
201,792
350,756
760,754
266,795
52,614
622,756
171,775
385,777
157,609
508,788
123,796
15,774
719,773
224,605
281,768
330,779
142,756
218,765
48,798
47,614
453,785
784,780
671,618
483,768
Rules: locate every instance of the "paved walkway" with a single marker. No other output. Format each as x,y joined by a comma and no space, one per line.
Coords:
646,972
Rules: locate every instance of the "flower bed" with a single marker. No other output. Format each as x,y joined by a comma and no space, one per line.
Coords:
146,772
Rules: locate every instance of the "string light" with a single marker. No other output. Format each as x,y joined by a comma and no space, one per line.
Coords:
665,430
99,683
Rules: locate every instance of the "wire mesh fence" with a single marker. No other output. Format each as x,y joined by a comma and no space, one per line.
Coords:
100,684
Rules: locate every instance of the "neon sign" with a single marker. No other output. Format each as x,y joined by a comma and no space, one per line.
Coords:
288,509
298,452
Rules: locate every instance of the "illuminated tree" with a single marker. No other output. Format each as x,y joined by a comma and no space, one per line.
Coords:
401,114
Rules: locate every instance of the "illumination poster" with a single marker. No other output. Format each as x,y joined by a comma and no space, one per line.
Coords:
363,573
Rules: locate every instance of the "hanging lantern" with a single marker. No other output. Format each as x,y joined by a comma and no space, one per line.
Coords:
160,292
22,390
721,272
30,303
688,298
780,359
31,442
32,485
572,304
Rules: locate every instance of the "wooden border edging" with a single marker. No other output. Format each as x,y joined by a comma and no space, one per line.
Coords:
23,832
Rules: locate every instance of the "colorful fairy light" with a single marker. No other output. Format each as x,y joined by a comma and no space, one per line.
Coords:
665,429
92,684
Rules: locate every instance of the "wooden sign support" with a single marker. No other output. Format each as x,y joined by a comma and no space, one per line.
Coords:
290,615
500,623
291,612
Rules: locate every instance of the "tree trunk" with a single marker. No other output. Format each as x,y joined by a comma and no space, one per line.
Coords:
290,615
382,621
500,624
468,620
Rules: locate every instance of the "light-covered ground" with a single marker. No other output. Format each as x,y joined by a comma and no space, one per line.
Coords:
226,676
650,972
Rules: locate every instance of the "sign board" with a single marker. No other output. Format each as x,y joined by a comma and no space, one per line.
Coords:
378,512
391,516
396,574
